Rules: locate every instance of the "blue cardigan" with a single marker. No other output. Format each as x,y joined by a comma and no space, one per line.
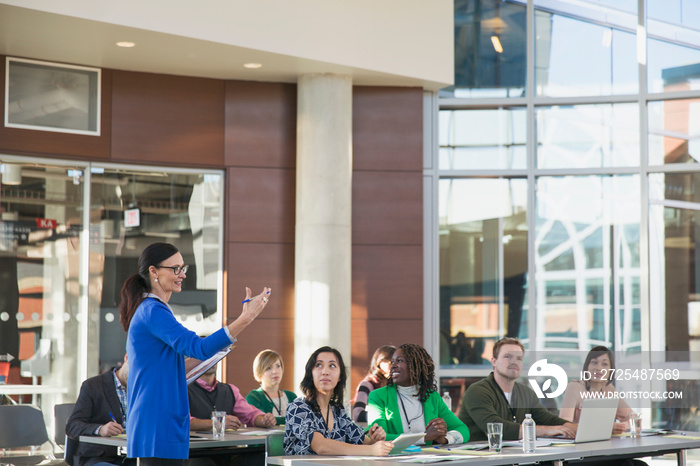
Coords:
383,409
158,424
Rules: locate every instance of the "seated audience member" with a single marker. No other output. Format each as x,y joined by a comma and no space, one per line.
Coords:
318,424
499,398
206,394
102,398
377,377
268,370
411,403
599,364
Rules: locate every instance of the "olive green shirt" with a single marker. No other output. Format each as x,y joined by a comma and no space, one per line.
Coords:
484,402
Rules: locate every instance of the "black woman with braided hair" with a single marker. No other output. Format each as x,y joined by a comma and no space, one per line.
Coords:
410,403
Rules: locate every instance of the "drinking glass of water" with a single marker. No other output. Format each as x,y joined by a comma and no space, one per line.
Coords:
494,431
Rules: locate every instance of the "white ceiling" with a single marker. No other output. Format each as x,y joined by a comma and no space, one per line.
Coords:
27,33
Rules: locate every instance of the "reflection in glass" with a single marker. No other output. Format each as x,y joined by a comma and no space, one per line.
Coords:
178,208
587,262
673,131
575,58
673,66
490,49
685,13
52,97
483,266
483,139
674,214
40,228
588,136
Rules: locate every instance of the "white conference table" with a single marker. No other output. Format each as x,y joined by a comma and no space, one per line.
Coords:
34,390
623,447
198,440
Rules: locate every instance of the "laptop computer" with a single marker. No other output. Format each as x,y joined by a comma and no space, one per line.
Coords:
404,441
596,421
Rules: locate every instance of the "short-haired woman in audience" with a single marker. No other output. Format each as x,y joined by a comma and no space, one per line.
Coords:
268,370
377,377
318,423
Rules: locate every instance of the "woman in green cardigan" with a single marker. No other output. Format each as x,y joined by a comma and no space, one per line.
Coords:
411,403
268,369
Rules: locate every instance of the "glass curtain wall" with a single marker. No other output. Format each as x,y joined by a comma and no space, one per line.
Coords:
70,235
565,215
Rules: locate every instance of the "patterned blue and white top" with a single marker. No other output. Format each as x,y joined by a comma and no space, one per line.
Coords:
301,423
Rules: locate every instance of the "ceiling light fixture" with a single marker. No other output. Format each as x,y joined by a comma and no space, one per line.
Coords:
496,44
253,65
126,44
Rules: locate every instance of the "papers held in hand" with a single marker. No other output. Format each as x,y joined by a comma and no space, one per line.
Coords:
194,373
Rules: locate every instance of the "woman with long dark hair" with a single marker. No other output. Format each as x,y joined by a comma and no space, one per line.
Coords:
377,377
411,403
598,368
158,424
318,424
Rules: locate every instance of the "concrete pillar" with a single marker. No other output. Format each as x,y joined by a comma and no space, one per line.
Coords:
322,272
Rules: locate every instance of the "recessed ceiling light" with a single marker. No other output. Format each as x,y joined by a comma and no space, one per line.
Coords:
253,65
126,44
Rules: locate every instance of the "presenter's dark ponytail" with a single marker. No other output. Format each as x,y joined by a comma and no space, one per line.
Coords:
132,293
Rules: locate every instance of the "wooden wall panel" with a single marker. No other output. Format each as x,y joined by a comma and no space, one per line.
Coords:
387,282
257,265
387,124
387,207
60,145
261,124
260,205
171,120
263,333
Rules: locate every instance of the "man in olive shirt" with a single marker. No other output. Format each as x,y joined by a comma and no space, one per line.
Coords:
498,398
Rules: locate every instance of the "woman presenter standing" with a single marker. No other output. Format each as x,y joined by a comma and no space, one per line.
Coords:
158,425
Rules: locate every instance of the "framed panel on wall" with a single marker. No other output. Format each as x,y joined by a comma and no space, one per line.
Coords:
52,97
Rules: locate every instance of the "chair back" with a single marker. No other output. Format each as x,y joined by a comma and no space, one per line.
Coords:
22,426
274,443
61,413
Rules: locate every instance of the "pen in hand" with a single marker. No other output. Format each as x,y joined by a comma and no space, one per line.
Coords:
250,299
112,417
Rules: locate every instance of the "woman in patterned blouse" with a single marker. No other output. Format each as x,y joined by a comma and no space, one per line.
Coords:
318,423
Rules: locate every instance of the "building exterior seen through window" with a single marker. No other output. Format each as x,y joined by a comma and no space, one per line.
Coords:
565,187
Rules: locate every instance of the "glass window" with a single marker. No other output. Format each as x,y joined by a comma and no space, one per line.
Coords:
673,65
587,262
483,266
179,208
588,136
483,139
490,49
685,13
575,58
40,255
52,97
674,212
673,129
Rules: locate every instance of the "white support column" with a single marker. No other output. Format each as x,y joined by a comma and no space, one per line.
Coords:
323,267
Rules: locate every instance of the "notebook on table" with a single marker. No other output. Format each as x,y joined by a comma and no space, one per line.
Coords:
404,441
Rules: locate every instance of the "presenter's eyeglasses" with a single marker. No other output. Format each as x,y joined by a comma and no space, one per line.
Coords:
176,268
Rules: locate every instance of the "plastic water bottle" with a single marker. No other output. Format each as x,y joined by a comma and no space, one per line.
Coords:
447,399
529,434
